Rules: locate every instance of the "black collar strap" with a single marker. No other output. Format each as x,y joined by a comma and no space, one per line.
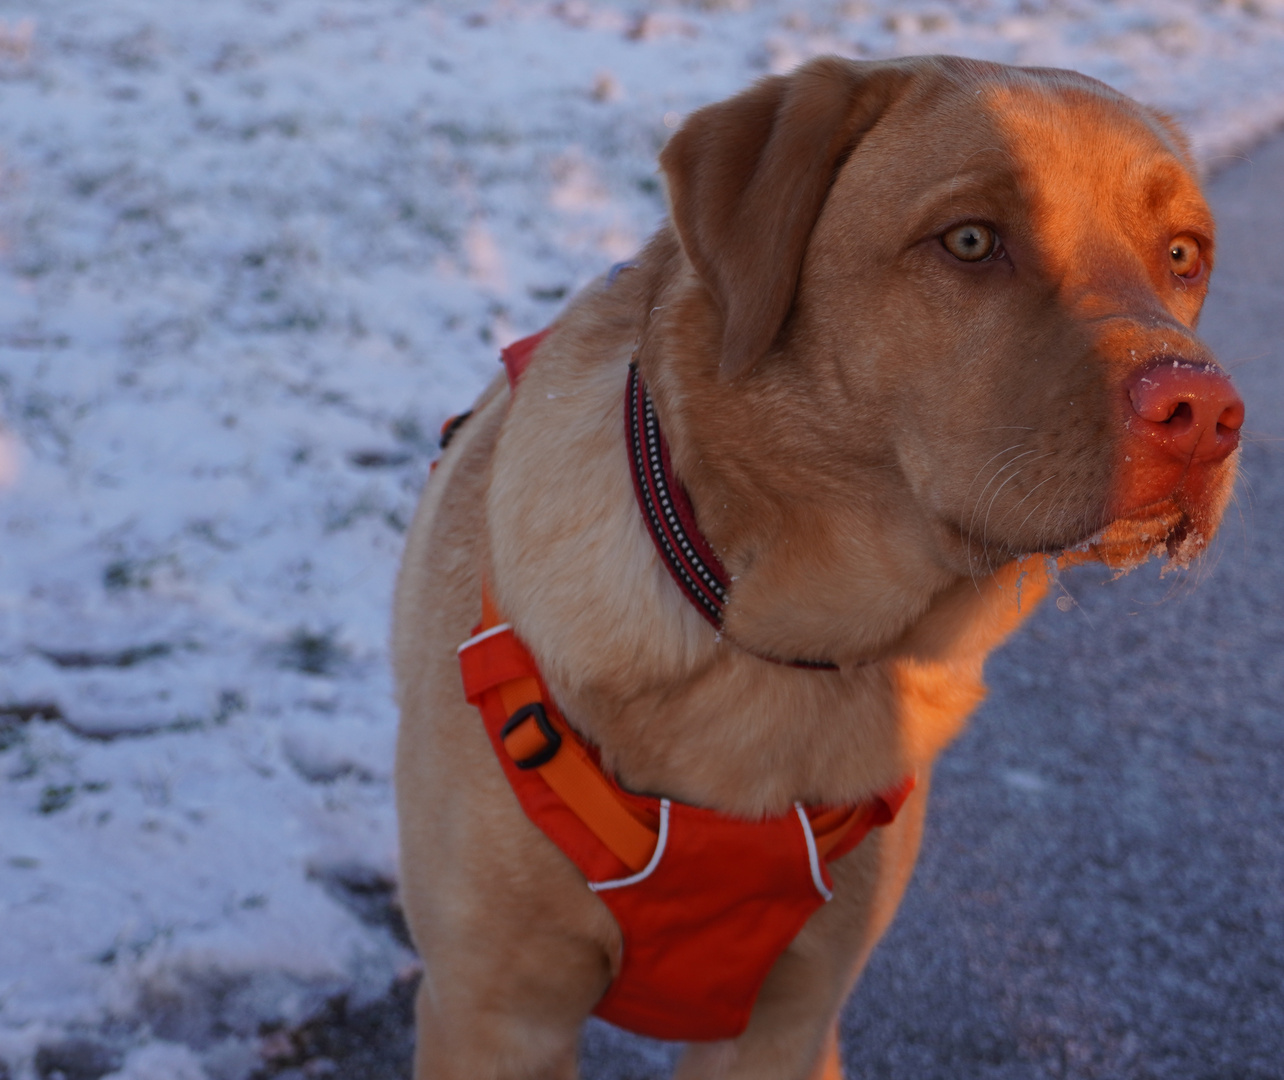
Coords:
670,519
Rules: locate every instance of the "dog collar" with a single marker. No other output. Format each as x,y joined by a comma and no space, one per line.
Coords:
670,519
666,507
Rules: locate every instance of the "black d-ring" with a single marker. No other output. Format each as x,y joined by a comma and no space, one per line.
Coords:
535,711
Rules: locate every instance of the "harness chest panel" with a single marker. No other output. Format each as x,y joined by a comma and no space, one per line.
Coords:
719,898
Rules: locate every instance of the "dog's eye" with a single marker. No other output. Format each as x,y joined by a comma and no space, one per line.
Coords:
1185,256
971,243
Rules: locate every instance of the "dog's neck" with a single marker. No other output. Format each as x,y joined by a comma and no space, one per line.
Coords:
671,520
675,707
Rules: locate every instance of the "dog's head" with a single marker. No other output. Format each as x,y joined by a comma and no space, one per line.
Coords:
957,299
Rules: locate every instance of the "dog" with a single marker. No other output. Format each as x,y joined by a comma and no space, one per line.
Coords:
736,542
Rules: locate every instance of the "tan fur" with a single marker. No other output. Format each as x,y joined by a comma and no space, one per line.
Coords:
880,442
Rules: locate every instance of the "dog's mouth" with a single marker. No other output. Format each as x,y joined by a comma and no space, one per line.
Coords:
1163,530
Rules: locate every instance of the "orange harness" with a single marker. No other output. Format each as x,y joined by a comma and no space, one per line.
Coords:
706,903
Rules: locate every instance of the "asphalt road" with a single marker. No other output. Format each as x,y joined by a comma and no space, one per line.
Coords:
1101,890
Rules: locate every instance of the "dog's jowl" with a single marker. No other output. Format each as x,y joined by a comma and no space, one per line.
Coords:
706,581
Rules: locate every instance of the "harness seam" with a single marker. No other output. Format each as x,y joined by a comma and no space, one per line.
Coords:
813,856
476,639
646,871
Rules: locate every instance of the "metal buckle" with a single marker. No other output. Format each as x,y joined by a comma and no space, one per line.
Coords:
535,711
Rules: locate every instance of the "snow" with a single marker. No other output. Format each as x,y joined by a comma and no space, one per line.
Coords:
252,254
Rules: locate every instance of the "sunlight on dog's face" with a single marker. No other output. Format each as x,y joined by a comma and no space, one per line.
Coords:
1044,271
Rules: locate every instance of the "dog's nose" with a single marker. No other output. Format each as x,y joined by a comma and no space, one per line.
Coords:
1188,410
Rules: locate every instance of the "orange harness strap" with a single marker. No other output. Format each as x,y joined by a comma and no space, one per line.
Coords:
536,732
630,831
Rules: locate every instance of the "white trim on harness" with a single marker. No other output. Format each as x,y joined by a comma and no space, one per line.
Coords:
813,856
646,871
477,638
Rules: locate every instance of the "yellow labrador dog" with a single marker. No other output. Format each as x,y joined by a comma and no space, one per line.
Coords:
752,519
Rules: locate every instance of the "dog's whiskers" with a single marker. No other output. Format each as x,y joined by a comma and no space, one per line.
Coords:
972,519
985,528
1053,504
1036,506
976,506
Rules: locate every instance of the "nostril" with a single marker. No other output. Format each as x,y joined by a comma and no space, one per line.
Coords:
1231,419
1158,402
1156,399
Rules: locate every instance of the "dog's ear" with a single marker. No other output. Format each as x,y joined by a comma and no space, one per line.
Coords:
748,177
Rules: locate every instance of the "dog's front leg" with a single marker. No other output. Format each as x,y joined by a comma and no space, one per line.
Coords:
516,949
792,1034
474,1042
508,1007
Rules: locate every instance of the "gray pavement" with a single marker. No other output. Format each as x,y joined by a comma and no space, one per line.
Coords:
1101,890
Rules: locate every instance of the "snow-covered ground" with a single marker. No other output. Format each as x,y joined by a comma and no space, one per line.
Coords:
252,253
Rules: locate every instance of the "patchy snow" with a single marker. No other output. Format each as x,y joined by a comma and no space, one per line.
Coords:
252,253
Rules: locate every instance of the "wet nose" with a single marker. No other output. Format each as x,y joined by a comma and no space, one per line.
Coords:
1188,410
